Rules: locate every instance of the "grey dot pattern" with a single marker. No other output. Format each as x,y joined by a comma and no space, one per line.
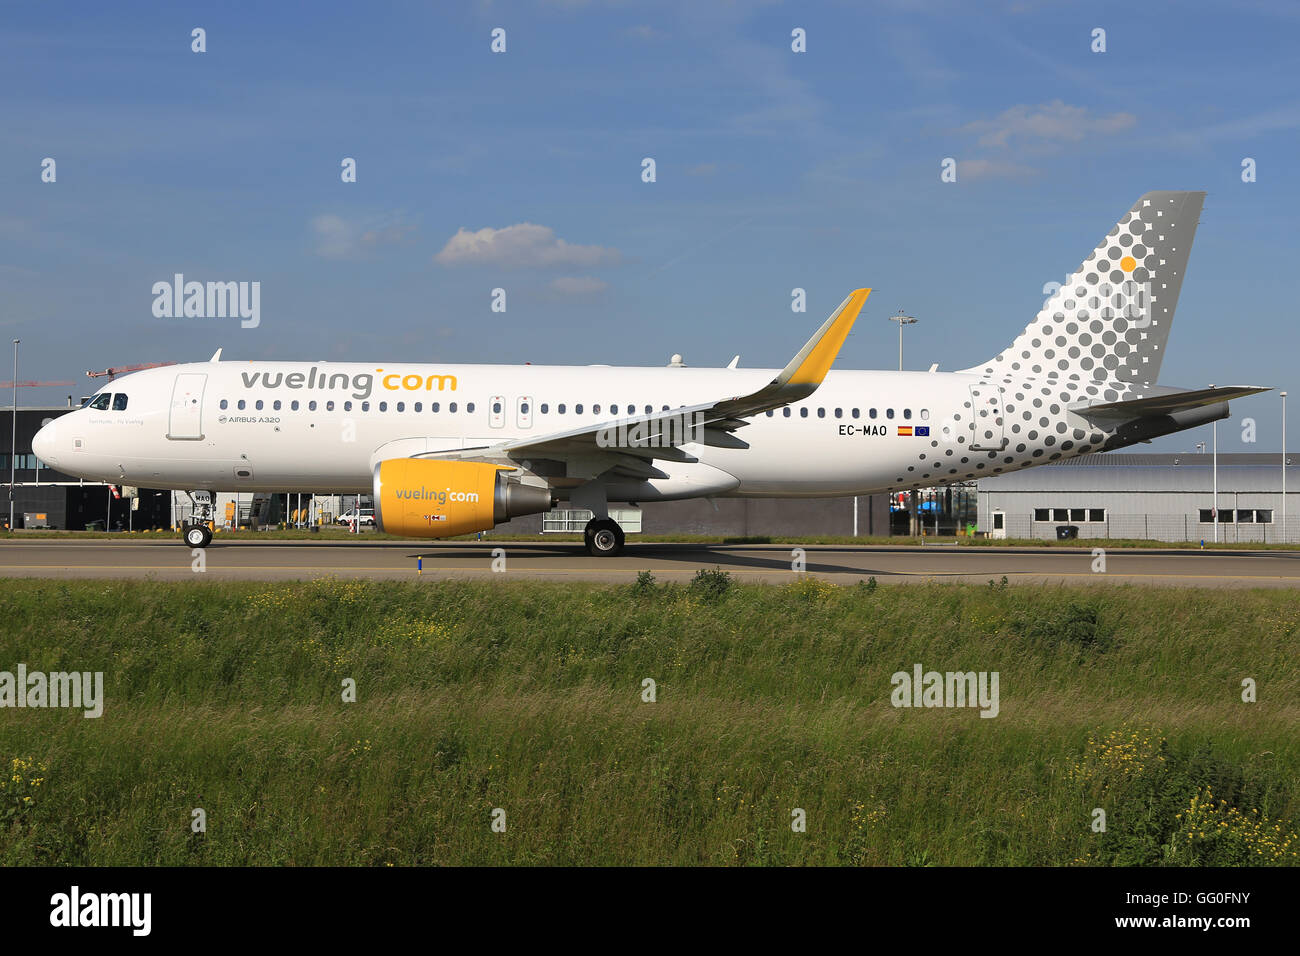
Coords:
1109,322
1100,338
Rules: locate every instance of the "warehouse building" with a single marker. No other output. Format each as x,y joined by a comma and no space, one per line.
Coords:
1153,497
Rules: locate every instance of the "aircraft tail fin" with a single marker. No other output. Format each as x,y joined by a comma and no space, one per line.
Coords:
1109,321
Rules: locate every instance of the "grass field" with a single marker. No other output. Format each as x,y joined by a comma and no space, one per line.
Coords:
529,698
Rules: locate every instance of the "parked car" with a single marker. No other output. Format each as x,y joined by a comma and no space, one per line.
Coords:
349,516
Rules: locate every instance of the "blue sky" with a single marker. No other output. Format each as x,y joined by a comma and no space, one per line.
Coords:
775,170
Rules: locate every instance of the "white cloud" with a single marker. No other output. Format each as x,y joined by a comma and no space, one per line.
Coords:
578,286
703,169
1054,122
522,245
643,31
992,169
337,238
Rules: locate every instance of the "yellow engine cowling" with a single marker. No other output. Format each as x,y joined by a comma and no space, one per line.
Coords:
431,498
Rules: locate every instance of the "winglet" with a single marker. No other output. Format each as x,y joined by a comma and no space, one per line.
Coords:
814,360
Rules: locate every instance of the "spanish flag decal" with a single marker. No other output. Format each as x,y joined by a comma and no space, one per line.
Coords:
905,431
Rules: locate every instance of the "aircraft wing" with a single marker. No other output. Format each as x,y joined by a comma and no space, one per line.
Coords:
659,434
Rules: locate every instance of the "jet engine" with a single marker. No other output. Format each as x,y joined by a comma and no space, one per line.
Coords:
433,498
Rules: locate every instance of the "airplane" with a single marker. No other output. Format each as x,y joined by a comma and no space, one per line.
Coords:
449,450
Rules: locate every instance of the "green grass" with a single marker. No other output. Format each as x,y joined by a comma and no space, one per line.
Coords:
528,697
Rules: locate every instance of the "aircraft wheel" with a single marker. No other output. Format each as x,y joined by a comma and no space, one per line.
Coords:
603,537
198,536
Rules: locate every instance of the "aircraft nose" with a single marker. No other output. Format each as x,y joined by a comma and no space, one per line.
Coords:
45,444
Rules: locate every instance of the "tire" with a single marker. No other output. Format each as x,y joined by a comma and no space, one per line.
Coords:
604,538
198,536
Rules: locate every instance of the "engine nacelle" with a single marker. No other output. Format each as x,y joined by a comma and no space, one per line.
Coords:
431,498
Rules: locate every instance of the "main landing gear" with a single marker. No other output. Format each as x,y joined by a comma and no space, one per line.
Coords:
603,538
196,530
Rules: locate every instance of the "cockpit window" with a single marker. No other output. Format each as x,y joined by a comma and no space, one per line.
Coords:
119,402
100,401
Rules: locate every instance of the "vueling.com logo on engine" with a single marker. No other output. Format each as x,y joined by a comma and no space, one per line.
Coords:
432,494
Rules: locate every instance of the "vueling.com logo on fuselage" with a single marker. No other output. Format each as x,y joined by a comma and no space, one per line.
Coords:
433,494
362,383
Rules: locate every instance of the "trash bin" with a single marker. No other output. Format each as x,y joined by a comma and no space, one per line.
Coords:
1065,532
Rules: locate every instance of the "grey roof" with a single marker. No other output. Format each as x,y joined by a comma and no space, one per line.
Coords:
1138,473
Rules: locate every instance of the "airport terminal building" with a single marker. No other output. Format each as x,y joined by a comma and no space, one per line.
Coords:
1151,497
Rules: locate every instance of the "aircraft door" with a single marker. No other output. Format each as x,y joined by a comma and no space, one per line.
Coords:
524,411
986,426
186,420
497,411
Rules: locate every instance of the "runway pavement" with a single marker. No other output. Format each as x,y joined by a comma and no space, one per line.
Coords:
168,559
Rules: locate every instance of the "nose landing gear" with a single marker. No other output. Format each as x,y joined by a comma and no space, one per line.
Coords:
603,538
197,533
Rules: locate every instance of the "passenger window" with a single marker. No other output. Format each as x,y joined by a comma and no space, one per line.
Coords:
311,406
839,413
560,408
119,402
577,409
276,404
803,413
258,404
523,408
401,406
821,413
907,413
613,409
329,406
595,409
224,403
101,402
241,405
786,411
347,407
925,414
649,409
434,407
451,406
418,406
293,406
771,412
889,413
469,406
383,406
855,413
545,408
496,408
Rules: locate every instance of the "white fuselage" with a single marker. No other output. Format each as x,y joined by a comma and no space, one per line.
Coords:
296,426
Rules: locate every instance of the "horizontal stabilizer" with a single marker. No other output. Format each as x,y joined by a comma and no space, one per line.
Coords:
1167,404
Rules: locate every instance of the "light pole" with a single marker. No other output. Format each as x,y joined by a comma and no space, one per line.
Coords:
13,440
1283,466
902,320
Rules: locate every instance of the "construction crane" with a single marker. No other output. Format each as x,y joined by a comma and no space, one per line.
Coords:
113,372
